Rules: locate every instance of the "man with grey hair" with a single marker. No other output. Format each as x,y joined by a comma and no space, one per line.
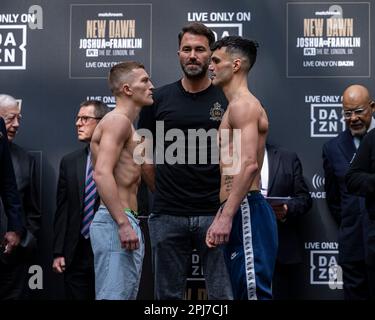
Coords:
14,266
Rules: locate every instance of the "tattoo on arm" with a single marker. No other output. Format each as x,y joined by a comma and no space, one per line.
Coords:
228,181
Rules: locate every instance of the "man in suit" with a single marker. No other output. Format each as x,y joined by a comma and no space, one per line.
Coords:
282,176
16,265
9,197
360,180
349,210
72,247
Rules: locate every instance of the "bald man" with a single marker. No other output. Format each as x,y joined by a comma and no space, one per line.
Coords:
349,210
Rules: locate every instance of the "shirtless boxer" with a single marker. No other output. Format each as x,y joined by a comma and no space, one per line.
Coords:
116,237
245,222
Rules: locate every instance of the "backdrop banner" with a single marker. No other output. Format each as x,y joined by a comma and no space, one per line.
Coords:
56,54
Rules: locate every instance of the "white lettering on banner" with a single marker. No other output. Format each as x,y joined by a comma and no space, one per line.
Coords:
321,245
323,264
243,16
315,99
324,99
318,194
197,16
326,119
34,18
320,45
325,64
13,36
222,24
9,18
28,18
219,16
110,44
312,245
12,47
109,100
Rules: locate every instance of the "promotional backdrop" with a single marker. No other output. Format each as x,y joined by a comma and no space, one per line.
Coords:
55,54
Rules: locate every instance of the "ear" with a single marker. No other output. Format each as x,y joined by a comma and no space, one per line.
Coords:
372,105
126,89
236,65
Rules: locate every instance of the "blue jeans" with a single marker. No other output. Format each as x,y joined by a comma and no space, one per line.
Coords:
117,270
172,240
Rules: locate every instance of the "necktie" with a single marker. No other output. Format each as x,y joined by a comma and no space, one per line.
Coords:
89,201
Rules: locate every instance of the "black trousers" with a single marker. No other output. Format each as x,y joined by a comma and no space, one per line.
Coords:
370,256
356,282
371,279
13,278
79,276
286,284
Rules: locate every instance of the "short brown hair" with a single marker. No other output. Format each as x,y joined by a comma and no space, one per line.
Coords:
197,29
118,72
100,108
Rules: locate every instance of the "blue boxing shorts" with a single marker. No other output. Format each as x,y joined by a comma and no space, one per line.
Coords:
251,252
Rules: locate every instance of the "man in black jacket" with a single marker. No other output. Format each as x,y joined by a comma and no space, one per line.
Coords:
360,181
9,198
15,266
347,209
72,251
282,176
186,196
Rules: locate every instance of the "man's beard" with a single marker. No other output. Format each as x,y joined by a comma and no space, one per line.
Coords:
196,73
358,134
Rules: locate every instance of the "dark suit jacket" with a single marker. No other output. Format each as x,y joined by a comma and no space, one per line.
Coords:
69,211
8,188
347,210
286,179
25,172
26,177
360,178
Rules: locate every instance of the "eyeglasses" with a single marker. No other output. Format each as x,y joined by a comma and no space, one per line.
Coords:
9,118
84,119
357,112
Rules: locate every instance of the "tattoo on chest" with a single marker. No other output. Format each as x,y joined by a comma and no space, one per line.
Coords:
228,181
